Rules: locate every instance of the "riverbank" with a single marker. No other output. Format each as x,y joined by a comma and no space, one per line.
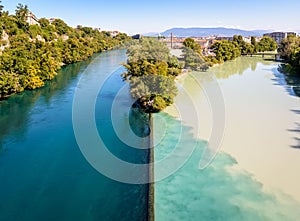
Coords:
261,124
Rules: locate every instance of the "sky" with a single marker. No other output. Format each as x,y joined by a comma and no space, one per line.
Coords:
132,16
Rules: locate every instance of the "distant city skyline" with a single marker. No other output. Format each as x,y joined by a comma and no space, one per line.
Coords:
134,16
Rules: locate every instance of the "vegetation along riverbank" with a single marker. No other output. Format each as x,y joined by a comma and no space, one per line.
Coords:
32,54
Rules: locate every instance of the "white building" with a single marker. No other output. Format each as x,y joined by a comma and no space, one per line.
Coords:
31,19
279,36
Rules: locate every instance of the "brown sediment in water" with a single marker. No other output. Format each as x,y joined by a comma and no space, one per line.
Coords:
262,129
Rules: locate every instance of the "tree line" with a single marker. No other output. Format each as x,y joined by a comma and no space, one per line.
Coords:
289,50
32,54
226,50
151,72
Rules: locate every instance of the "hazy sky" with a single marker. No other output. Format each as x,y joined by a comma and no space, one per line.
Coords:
132,16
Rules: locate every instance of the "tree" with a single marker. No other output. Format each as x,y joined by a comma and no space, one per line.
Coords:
289,50
192,44
145,58
21,13
254,43
288,47
267,44
61,27
193,60
244,46
34,54
239,39
150,71
1,8
226,50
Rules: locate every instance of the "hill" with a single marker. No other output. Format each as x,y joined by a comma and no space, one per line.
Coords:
197,32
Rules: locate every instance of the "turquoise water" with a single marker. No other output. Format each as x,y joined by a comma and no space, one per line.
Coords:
223,191
43,175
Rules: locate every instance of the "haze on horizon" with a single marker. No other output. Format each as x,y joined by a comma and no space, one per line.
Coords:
134,16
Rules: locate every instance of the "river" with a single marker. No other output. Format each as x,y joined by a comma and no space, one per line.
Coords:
46,173
43,174
255,174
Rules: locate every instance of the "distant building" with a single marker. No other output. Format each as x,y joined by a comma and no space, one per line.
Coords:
247,39
114,33
51,20
224,38
137,36
279,36
31,19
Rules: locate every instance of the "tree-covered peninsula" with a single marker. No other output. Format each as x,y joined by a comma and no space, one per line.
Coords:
32,54
151,72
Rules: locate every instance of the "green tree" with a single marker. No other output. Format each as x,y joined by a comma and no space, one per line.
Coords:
226,50
244,46
61,27
267,44
150,71
22,11
30,60
194,61
288,47
254,43
192,44
1,8
289,50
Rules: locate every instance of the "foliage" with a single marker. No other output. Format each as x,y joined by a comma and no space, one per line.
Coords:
192,44
194,60
289,50
151,71
244,46
266,44
226,50
1,8
150,56
192,56
254,44
36,52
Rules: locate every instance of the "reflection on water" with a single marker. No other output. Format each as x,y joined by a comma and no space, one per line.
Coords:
237,66
139,121
15,111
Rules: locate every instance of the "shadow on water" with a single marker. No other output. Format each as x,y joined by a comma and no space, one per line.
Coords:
291,83
14,112
215,193
296,130
139,121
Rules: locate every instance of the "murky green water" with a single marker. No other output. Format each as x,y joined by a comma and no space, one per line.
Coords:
258,180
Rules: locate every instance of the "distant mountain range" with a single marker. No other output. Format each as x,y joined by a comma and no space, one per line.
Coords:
202,32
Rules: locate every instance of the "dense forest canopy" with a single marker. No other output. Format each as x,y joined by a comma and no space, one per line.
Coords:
32,54
151,71
289,50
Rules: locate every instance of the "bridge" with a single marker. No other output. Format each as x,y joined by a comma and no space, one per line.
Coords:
263,54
